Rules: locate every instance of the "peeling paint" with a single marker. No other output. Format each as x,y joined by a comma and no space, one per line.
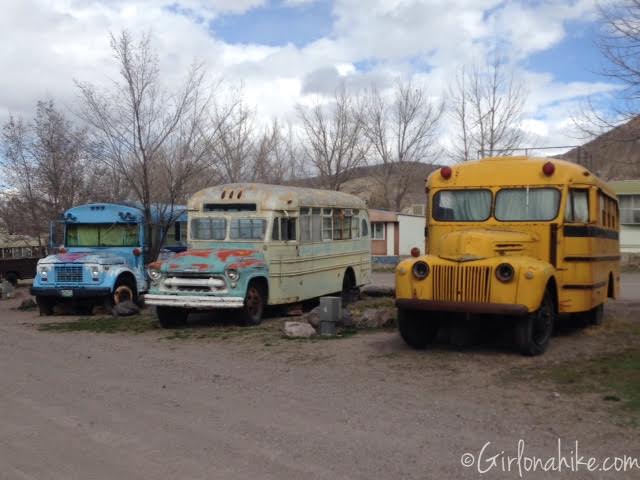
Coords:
224,255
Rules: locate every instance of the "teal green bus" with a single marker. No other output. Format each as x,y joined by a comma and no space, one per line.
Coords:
253,245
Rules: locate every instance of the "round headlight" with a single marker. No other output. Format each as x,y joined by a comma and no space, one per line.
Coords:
420,270
504,272
95,270
154,274
44,271
233,274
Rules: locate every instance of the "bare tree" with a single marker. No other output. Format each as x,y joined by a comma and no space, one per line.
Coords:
45,167
486,108
401,132
333,140
151,136
233,149
277,159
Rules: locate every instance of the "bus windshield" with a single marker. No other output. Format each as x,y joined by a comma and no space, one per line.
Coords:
103,235
462,205
527,204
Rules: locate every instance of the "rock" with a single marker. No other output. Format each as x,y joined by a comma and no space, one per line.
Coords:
375,318
125,309
6,289
298,330
347,319
27,304
312,317
378,291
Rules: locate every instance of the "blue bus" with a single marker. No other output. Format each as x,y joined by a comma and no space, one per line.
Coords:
103,255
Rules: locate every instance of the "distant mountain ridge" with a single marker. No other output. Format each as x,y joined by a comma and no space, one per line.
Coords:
614,155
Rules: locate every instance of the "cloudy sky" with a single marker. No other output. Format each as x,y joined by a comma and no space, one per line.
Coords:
286,52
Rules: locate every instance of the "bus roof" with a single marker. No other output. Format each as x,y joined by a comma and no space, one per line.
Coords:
273,197
109,212
515,171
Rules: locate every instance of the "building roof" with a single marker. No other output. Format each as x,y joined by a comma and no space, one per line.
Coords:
382,216
622,187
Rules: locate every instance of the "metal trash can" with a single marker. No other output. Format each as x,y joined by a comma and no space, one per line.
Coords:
330,314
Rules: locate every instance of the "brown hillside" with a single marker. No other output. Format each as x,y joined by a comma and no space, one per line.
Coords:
365,183
614,155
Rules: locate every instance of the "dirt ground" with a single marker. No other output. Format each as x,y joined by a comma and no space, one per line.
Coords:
215,402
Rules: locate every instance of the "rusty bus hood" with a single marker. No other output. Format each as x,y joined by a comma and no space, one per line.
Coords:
238,256
476,244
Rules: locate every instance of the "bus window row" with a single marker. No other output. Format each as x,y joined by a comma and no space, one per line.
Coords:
316,225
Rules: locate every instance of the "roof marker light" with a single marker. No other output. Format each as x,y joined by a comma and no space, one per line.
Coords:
548,169
446,172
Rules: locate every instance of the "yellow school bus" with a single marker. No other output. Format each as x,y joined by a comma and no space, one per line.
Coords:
517,237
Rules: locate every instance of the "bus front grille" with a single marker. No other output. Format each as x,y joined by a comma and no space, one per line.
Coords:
68,273
461,283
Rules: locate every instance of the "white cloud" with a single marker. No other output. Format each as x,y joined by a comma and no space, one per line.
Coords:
45,45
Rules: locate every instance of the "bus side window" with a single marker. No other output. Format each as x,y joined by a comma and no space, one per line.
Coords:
577,210
365,228
275,229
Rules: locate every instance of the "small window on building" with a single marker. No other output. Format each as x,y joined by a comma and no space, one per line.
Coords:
377,231
629,209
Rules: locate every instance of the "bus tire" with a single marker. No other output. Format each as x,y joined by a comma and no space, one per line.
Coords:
533,332
417,332
171,317
123,290
349,291
254,303
45,306
12,278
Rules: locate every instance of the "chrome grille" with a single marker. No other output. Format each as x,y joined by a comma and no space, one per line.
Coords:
462,283
68,273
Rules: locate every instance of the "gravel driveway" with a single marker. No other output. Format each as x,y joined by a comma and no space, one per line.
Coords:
147,406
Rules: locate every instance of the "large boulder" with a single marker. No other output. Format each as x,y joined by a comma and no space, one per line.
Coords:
312,317
375,318
298,330
125,309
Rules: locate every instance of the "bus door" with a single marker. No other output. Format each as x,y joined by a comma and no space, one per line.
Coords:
282,256
577,248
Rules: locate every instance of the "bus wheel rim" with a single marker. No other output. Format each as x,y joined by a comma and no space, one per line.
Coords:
122,293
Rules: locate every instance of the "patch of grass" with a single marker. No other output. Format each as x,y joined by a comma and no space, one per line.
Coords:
616,376
104,324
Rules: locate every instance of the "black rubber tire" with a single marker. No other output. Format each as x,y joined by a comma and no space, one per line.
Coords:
254,304
417,332
122,290
12,278
533,332
45,306
171,317
349,291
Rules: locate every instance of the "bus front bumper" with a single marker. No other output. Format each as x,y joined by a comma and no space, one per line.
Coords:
70,292
464,307
193,301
